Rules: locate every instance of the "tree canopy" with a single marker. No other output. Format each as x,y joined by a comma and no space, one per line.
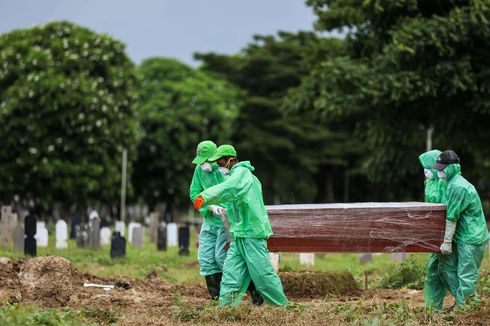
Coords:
66,112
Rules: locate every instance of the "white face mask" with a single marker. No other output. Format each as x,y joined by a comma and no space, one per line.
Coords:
206,167
224,171
441,175
428,174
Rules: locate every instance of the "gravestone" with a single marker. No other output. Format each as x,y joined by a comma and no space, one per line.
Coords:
172,235
30,230
399,256
120,227
131,226
94,231
138,236
75,222
19,238
105,236
118,245
274,257
184,239
61,234
6,215
82,236
365,258
162,237
307,259
42,235
153,226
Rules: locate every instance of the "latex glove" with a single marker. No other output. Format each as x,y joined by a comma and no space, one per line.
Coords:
199,202
447,248
216,210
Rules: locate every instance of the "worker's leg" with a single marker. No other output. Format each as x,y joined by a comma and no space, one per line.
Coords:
469,261
207,262
235,276
219,248
266,281
448,271
434,289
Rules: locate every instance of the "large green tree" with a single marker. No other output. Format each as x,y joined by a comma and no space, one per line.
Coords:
410,66
297,158
66,112
180,106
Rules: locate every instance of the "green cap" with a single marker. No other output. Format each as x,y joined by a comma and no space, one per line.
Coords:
223,150
205,150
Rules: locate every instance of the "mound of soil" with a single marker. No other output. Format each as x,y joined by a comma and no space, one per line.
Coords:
309,284
9,282
46,279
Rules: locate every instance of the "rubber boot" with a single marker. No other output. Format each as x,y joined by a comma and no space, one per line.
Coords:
257,299
213,283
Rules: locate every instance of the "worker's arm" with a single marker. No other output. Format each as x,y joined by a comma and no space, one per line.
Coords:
235,186
456,204
196,187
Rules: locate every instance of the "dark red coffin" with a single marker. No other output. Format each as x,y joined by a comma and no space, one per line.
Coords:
357,227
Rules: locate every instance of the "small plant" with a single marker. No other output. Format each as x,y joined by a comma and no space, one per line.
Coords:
408,274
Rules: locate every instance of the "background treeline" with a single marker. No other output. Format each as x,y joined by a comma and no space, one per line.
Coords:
322,119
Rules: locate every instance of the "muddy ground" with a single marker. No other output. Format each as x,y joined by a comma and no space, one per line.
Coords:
319,297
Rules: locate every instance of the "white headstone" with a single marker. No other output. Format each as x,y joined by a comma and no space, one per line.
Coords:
19,238
274,257
307,259
121,228
138,236
172,235
105,235
41,235
61,234
153,226
131,226
399,256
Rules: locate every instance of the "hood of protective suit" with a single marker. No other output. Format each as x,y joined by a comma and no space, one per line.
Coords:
452,170
245,164
428,159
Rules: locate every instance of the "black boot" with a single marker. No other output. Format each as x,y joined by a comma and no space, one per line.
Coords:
256,297
213,283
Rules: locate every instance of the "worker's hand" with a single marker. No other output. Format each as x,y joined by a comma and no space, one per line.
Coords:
447,248
199,202
216,210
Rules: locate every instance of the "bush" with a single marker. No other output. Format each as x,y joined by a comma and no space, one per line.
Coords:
408,274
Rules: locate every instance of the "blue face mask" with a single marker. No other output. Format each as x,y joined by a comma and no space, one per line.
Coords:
224,171
441,175
428,174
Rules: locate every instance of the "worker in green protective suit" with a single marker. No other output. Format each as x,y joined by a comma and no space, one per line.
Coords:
466,233
248,256
436,283
212,238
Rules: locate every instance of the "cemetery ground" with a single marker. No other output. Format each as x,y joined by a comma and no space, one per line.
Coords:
155,287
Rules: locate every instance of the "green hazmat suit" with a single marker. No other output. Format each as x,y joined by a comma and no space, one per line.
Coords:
435,287
248,256
211,253
471,236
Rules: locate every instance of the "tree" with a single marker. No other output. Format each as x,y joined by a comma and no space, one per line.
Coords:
180,106
296,158
410,66
66,113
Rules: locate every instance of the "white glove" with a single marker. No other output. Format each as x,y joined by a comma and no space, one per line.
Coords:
217,211
447,247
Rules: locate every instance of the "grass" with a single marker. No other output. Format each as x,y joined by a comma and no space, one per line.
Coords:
175,269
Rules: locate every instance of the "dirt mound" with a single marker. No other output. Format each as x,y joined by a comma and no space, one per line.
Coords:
9,282
304,284
46,279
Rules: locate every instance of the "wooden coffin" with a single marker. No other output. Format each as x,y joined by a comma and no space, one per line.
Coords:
357,227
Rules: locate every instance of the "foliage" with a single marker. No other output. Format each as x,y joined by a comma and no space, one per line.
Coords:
410,66
180,107
280,142
66,112
409,273
20,315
